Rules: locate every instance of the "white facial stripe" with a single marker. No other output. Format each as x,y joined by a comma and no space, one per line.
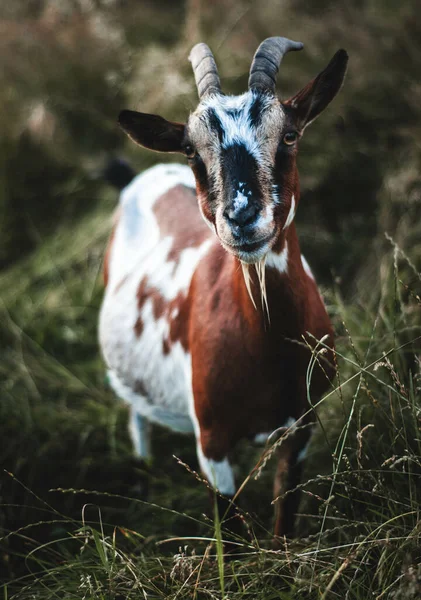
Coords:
278,261
233,113
275,194
306,267
291,213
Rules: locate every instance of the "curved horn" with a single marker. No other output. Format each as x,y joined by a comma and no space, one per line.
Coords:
205,70
266,62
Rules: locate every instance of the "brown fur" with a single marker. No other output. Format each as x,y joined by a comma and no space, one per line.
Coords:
138,327
263,367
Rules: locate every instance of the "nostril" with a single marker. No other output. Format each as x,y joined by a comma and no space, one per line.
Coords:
242,216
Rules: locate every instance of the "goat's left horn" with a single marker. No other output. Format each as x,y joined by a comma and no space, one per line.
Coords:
266,62
205,70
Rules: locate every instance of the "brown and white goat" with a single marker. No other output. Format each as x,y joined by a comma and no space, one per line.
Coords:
185,342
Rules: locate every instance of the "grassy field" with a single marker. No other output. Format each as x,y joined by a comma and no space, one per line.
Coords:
74,519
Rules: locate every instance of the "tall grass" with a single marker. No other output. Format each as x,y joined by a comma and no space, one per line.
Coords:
94,536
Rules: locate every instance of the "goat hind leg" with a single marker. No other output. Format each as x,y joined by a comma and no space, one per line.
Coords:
287,477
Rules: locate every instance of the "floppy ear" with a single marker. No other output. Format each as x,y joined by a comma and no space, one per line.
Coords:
152,131
316,95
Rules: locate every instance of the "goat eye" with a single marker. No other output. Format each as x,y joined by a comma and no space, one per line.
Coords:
189,151
290,138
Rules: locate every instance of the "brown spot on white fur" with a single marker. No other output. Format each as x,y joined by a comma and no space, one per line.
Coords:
178,217
144,293
138,327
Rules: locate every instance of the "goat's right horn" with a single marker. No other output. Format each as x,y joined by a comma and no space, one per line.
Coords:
266,62
205,70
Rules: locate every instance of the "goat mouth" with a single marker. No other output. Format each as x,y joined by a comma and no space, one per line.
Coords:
250,252
252,246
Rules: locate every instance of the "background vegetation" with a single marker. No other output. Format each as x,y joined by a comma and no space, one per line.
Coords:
67,68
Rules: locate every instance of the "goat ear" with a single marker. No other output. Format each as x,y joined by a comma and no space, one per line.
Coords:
316,95
152,131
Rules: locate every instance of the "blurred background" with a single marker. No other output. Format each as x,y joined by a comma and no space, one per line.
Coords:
67,68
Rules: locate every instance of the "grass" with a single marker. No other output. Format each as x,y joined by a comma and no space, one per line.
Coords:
73,520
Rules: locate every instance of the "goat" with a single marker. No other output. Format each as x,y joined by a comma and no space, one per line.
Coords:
186,343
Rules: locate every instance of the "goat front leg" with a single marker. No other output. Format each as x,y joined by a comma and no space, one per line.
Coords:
140,433
287,477
216,468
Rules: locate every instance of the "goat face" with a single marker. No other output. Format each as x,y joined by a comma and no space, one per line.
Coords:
235,145
242,149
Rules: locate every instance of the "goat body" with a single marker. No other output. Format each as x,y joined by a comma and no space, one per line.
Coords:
184,343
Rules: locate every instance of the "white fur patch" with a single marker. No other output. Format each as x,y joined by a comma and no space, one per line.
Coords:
137,362
219,474
291,213
306,267
137,231
240,201
237,129
139,405
278,261
233,113
141,360
170,277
